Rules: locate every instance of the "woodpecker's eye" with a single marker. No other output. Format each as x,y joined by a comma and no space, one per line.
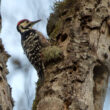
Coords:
27,21
22,27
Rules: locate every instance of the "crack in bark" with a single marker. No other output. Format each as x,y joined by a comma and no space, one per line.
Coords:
98,27
62,68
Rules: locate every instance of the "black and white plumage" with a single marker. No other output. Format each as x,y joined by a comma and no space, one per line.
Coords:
32,42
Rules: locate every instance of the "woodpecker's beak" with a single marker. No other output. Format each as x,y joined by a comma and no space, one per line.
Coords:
34,22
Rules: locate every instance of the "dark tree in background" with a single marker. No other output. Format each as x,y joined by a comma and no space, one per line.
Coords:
6,102
77,77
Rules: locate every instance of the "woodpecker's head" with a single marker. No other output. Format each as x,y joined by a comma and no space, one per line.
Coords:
25,25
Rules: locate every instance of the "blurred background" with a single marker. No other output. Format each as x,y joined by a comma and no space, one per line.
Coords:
22,76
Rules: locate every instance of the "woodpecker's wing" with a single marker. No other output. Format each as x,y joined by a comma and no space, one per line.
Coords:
44,42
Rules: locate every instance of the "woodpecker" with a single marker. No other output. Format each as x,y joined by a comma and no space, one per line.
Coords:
33,42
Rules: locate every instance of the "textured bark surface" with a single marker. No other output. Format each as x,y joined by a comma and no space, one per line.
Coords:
81,29
6,102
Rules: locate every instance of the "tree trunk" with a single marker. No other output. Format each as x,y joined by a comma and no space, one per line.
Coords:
6,102
78,81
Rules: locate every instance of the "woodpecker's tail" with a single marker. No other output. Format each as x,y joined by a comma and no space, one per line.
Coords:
41,74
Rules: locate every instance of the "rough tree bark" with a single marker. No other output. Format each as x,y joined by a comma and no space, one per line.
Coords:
6,102
78,81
